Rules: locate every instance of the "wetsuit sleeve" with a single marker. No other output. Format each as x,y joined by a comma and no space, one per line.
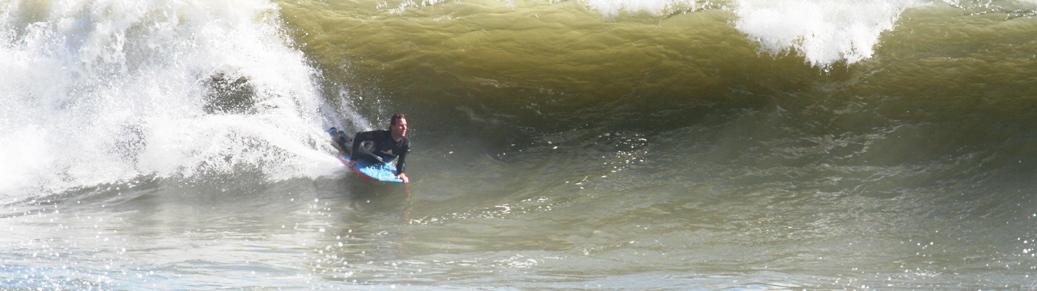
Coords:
401,162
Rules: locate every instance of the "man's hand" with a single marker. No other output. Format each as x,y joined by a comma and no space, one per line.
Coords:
403,176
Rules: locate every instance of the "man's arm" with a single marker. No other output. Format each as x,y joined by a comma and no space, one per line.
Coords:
401,162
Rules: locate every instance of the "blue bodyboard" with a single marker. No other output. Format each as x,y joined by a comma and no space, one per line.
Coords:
371,171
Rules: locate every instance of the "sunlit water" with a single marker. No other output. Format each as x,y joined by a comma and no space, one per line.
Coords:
584,144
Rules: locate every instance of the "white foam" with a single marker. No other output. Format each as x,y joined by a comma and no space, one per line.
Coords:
988,3
824,31
103,91
403,6
612,8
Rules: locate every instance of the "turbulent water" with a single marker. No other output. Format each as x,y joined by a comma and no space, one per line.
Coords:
620,144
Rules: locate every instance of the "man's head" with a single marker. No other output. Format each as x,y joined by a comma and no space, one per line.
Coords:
398,125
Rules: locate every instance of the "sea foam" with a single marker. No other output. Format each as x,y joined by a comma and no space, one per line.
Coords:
610,8
103,91
825,31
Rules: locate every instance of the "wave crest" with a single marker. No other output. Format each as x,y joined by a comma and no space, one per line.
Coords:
825,32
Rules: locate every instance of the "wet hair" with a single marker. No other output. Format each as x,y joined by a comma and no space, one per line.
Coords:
396,118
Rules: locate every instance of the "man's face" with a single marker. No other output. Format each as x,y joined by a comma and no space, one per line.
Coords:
400,128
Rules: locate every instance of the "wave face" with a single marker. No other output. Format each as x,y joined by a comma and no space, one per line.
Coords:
106,91
661,65
669,144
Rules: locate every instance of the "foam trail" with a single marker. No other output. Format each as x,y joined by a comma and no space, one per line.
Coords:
825,32
103,91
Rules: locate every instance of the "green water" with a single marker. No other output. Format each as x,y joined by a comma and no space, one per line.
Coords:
560,145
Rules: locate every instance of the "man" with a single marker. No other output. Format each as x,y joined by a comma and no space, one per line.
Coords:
385,145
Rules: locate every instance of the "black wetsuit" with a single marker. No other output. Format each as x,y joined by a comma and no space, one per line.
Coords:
384,148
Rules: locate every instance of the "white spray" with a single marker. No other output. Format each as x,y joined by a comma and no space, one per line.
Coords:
108,90
610,8
824,31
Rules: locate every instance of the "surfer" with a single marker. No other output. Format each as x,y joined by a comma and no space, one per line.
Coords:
383,146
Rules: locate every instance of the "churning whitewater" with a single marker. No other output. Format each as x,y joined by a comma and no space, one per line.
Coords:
617,144
109,91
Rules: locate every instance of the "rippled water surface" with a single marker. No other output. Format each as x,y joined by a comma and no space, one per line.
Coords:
559,144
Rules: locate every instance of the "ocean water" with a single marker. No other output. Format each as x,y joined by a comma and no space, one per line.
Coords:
648,144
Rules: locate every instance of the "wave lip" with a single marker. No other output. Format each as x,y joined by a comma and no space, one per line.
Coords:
825,32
